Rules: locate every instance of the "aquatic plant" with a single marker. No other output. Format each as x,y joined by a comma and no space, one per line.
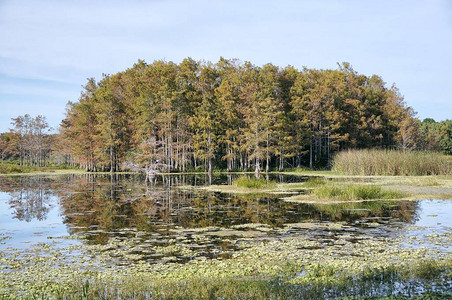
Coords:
391,162
315,182
354,192
254,183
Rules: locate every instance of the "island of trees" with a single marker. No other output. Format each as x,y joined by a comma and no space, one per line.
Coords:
229,115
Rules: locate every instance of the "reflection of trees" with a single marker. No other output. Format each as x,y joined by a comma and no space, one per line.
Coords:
115,204
30,196
124,202
107,202
111,203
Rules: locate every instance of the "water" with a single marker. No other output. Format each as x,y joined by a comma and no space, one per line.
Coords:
36,209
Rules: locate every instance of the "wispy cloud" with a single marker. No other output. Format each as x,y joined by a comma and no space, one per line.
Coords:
406,42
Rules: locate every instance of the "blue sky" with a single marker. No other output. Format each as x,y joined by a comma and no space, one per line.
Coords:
49,48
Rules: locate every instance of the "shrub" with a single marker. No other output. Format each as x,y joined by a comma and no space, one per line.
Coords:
391,162
12,168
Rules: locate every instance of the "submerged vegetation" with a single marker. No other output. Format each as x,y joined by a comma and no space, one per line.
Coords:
391,162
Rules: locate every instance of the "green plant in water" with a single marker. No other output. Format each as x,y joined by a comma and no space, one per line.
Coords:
254,183
355,192
427,270
315,182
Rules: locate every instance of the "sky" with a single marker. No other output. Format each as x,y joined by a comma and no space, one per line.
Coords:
48,48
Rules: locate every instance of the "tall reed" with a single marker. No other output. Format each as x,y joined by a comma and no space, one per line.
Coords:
391,162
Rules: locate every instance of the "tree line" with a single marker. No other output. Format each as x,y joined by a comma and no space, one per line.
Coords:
231,115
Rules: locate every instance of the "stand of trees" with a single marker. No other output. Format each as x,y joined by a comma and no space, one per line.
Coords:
29,141
436,136
228,115
232,115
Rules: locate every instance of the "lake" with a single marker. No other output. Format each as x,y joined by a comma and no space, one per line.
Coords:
36,209
173,221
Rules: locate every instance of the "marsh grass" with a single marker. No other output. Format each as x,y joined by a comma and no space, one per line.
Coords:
348,192
391,162
11,168
6,168
315,182
318,282
425,181
254,183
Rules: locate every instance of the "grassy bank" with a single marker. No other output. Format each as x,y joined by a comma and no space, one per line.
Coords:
391,162
312,190
14,169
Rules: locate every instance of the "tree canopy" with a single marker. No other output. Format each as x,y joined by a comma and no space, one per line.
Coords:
232,115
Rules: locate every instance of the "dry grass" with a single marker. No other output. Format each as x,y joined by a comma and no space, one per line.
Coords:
391,162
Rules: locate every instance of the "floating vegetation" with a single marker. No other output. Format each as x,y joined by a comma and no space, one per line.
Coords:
297,267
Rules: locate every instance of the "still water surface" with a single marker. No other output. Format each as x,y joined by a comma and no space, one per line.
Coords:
46,209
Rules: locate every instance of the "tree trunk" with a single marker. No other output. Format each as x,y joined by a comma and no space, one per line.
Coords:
310,154
111,160
257,169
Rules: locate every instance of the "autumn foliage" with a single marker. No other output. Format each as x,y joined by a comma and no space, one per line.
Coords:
232,115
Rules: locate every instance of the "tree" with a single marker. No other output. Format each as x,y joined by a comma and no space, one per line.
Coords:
230,115
230,119
204,121
112,126
9,145
31,139
445,139
79,130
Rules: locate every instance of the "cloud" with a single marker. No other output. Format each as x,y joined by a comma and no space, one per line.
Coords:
407,42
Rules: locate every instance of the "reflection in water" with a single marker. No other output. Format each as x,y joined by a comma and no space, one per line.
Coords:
110,204
30,197
104,206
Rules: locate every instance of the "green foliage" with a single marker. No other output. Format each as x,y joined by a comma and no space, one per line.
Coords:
231,115
14,168
6,168
427,270
391,162
354,192
436,136
253,183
